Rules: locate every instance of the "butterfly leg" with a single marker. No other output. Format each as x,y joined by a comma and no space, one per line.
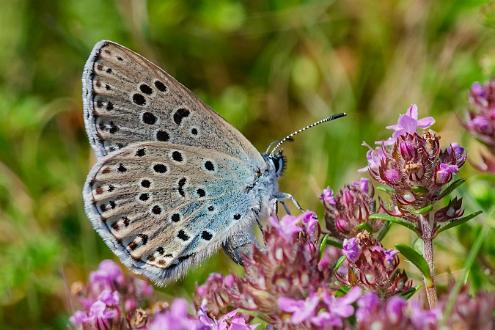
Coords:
282,197
274,207
286,209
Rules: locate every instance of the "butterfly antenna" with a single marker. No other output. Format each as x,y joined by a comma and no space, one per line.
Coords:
291,135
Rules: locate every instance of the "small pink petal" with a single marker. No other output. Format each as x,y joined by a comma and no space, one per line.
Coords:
412,111
408,124
426,122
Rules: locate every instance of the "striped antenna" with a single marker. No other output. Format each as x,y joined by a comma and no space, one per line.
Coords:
291,135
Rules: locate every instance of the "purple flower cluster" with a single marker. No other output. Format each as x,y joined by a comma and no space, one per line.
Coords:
114,300
470,312
286,281
289,290
110,300
347,212
480,121
415,169
370,266
320,309
394,313
287,285
473,312
175,317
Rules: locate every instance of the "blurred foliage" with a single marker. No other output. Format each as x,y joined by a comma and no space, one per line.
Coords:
269,67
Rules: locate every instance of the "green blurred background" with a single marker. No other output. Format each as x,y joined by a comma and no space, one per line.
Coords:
269,67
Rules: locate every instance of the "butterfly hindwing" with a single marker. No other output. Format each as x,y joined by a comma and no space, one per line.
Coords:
162,207
129,99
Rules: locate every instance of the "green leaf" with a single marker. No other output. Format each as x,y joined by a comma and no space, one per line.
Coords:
384,188
424,210
334,242
417,259
397,220
451,187
419,190
458,221
342,291
409,293
383,231
339,263
364,226
326,240
323,244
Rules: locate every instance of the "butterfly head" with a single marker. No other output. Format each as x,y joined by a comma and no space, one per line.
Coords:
278,161
267,178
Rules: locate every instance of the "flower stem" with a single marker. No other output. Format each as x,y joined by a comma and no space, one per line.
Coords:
427,237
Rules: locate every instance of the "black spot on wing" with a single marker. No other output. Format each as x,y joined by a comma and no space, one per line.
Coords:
180,114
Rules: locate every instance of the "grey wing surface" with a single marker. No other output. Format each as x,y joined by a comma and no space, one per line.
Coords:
128,99
164,219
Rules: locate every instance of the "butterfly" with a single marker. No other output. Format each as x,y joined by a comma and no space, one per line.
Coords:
173,181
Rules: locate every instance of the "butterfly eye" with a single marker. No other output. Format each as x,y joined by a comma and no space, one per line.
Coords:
258,172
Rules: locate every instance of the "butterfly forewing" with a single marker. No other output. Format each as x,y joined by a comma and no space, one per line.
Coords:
162,207
129,99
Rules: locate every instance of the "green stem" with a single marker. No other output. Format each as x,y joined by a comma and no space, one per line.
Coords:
427,237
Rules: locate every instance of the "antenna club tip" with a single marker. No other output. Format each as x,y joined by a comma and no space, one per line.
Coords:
339,115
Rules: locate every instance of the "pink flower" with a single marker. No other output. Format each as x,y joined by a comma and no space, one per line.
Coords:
390,255
130,304
343,306
287,226
329,257
351,249
100,315
414,167
444,173
350,210
395,308
301,310
424,319
78,318
290,225
365,185
322,309
175,318
367,305
482,96
372,267
311,224
108,274
234,320
375,157
143,288
480,121
109,298
327,196
409,123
